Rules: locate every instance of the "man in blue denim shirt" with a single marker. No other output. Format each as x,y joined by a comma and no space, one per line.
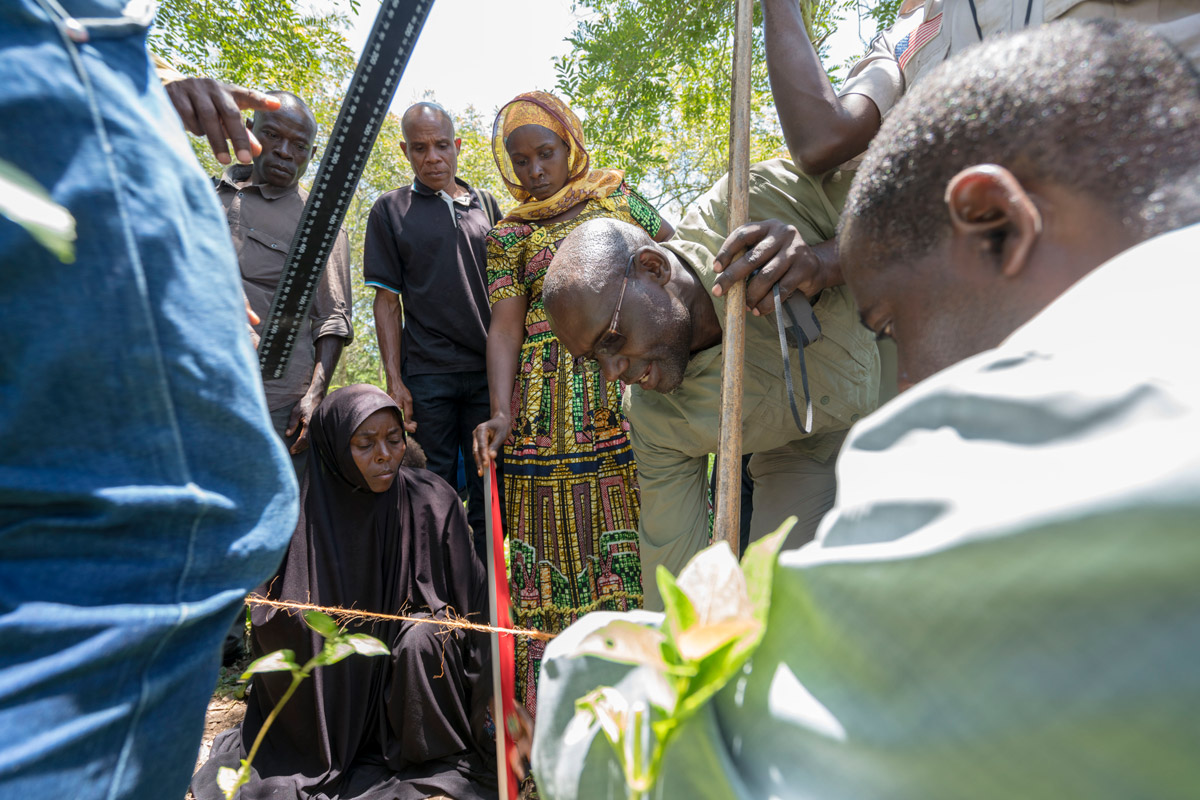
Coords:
142,489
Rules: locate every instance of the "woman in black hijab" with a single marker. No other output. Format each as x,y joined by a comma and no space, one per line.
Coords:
376,536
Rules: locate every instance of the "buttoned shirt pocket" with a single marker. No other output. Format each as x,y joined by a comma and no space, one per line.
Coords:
262,256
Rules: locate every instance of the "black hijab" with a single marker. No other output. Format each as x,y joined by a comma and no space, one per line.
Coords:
406,550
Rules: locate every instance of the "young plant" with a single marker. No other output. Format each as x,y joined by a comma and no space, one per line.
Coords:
26,203
716,614
338,645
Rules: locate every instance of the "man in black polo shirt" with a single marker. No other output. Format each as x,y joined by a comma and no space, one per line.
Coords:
425,245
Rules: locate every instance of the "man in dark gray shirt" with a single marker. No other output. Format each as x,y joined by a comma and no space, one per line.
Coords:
425,246
263,203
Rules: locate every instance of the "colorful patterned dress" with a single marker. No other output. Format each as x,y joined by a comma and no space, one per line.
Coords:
570,481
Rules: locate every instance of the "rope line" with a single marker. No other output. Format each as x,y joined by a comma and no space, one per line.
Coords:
353,615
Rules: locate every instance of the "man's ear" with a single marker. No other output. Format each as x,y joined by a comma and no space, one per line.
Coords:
404,148
458,145
654,263
987,203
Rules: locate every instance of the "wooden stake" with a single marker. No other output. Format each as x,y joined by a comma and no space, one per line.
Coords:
729,447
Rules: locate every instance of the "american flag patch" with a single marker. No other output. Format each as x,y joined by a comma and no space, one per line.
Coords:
907,47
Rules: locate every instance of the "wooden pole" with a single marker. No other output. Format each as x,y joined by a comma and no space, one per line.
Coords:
729,447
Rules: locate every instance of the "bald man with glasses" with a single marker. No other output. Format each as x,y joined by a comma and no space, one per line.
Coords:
646,314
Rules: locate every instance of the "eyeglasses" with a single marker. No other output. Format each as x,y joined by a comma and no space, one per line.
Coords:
612,340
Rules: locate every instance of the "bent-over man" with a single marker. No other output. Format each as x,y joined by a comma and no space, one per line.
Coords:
665,342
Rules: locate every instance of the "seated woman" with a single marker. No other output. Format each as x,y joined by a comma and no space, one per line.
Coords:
375,536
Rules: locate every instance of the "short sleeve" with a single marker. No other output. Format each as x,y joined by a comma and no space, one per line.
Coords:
505,255
382,265
876,75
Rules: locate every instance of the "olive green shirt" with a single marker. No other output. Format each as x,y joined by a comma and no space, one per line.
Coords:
673,434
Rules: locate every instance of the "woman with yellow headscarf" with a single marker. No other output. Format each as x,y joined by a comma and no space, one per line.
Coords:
570,481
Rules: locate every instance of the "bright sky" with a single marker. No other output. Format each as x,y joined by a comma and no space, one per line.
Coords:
485,52
479,52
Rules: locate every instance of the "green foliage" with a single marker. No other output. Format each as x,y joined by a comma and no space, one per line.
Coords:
881,12
652,80
338,645
273,44
715,617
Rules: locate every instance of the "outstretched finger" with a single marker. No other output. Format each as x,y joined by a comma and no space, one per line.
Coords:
209,123
227,107
239,98
181,99
251,100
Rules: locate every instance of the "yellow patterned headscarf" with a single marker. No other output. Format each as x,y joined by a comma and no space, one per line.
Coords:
583,183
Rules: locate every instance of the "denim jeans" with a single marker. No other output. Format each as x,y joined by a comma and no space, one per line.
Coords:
142,489
447,407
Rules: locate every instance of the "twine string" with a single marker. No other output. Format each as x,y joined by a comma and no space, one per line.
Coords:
346,615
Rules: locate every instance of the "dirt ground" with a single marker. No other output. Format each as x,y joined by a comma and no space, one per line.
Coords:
223,713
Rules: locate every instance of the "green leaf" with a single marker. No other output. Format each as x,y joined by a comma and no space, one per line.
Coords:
680,612
758,567
229,780
322,624
610,709
26,203
366,645
713,673
714,583
333,651
278,661
626,643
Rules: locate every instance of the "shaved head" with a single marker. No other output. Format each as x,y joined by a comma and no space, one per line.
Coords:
615,297
430,146
288,102
590,259
1103,109
287,135
425,109
1014,170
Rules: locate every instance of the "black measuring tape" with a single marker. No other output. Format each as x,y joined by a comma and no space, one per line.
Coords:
363,110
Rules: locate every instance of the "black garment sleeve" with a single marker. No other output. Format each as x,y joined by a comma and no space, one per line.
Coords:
382,263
